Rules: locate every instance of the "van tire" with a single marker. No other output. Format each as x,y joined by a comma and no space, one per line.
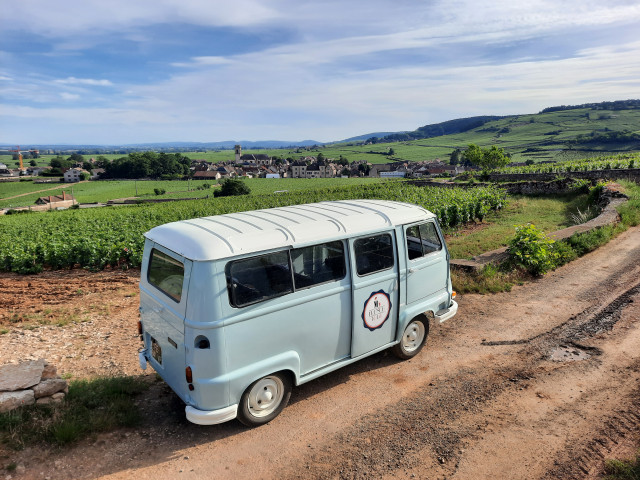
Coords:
264,399
413,338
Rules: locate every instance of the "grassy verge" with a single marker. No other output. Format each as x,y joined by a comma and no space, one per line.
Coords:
90,407
623,469
549,213
494,279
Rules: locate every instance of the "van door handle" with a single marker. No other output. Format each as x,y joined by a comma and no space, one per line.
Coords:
412,270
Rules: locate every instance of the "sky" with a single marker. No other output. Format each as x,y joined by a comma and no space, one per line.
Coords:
123,71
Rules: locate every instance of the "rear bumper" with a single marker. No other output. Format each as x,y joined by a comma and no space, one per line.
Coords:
211,417
446,314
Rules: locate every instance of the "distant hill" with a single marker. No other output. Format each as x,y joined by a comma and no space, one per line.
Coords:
361,138
459,125
615,105
172,146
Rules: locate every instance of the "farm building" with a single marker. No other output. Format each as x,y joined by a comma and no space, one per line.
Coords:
63,200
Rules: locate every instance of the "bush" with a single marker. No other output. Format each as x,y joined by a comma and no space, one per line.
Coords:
159,191
232,187
531,250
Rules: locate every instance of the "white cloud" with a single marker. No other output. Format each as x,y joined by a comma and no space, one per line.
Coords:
73,17
351,68
85,81
69,96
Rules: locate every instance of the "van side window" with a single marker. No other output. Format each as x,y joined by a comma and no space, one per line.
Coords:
373,254
254,279
166,274
318,264
422,239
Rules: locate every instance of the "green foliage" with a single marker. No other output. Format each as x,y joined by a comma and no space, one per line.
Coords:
232,187
621,161
101,237
623,469
91,406
486,158
159,191
531,250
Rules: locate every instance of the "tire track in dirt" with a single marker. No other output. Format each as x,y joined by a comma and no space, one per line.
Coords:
438,419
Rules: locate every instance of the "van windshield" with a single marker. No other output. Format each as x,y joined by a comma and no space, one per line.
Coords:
166,274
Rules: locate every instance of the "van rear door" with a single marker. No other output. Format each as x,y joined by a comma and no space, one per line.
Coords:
375,292
163,298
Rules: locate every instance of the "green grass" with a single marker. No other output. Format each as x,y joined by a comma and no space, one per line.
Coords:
494,279
628,469
90,407
105,190
549,213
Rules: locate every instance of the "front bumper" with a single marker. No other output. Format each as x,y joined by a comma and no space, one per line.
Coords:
211,417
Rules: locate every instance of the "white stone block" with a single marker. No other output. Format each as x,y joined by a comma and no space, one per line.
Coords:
12,400
18,376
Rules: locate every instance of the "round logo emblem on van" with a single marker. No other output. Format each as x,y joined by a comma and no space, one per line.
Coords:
376,310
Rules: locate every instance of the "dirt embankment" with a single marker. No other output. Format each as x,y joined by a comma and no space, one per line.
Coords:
542,382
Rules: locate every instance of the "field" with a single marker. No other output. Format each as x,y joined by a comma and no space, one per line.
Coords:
105,190
113,236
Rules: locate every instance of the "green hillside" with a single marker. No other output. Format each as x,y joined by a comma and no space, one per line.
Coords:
549,135
557,133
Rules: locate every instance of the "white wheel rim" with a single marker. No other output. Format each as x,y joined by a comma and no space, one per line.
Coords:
265,396
413,336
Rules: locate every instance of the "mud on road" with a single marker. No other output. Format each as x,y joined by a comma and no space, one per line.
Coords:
542,382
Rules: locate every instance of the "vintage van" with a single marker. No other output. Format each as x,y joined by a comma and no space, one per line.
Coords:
236,309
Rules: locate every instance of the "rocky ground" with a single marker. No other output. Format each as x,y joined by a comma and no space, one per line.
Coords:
542,382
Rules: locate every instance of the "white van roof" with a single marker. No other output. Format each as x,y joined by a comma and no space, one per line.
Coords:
222,236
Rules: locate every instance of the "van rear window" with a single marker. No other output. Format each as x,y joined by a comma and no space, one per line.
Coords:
166,274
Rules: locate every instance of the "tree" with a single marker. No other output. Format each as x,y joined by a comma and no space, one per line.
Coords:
33,163
391,152
59,162
232,187
76,158
486,158
456,157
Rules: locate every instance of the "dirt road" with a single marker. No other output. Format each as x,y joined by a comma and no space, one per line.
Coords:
542,382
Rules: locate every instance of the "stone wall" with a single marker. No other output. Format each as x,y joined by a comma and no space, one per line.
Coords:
26,383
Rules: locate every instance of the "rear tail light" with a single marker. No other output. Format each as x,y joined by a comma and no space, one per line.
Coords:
139,327
189,376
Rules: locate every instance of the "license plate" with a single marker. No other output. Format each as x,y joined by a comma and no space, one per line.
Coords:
156,351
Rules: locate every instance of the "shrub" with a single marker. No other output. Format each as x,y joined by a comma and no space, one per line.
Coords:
159,191
232,187
532,250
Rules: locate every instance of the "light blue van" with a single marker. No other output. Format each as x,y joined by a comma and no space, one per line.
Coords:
236,309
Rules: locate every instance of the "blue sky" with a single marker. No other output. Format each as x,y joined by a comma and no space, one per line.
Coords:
118,72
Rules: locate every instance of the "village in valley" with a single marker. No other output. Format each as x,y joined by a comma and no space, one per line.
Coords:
260,165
